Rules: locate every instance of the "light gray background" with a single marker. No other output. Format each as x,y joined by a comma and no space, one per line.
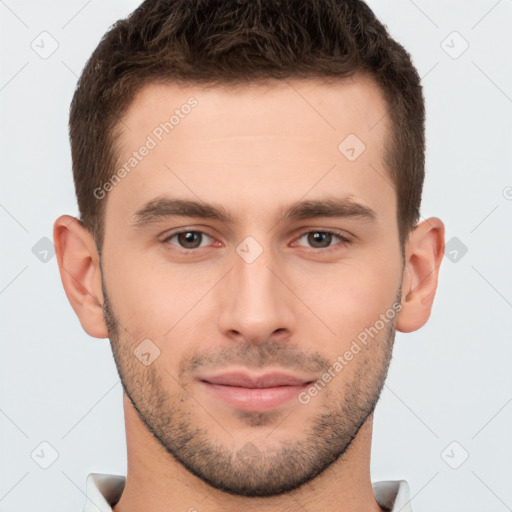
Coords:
450,381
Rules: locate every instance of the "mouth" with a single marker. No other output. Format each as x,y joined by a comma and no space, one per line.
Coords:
256,393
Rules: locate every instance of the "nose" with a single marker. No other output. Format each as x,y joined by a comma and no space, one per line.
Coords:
256,303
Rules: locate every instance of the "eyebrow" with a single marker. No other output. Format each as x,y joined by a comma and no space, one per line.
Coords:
336,208
163,207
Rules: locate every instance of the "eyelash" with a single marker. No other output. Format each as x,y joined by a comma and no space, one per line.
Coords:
344,241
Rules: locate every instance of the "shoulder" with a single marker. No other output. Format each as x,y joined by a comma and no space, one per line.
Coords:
103,491
393,495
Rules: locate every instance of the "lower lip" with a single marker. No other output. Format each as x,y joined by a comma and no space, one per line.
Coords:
255,399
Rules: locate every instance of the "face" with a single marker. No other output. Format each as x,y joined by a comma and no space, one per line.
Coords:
243,244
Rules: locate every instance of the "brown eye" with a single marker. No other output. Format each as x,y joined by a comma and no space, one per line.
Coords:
324,239
191,239
319,239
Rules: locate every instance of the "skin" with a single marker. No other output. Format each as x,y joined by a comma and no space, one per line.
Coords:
296,307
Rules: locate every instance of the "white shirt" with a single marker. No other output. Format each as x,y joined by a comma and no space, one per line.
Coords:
104,491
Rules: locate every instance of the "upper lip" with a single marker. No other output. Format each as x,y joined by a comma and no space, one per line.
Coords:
246,380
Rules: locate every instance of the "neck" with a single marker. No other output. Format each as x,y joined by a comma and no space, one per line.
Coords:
156,481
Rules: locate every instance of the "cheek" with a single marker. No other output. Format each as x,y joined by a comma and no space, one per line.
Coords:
350,296
151,299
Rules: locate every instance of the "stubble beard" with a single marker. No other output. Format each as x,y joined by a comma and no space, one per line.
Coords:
254,470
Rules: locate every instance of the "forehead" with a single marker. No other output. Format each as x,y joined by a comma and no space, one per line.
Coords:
272,142
310,105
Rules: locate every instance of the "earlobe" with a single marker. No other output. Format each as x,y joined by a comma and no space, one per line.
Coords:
79,268
424,253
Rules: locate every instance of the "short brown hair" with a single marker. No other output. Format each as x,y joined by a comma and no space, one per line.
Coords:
216,42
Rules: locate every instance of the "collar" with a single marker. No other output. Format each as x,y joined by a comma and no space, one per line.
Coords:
104,491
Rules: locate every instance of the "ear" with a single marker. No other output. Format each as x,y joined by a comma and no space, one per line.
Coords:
78,261
423,255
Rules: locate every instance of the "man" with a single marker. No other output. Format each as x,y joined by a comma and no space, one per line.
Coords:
249,178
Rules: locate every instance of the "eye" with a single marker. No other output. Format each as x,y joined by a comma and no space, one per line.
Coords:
323,239
188,239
